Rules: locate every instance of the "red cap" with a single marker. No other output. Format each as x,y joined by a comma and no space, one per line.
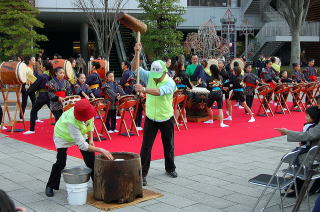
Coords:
83,110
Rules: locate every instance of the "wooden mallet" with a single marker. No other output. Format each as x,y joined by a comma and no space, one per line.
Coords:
136,26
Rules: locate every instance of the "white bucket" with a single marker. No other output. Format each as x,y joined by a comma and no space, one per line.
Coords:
77,193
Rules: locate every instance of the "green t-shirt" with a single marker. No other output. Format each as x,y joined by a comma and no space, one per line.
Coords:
190,69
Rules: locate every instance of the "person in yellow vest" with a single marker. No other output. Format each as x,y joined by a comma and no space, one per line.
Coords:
72,129
30,61
159,113
275,66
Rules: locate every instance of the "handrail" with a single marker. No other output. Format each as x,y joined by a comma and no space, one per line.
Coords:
281,28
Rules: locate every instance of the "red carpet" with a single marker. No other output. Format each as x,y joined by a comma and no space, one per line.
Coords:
199,137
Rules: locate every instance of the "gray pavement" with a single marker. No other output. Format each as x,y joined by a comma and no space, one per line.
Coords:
214,180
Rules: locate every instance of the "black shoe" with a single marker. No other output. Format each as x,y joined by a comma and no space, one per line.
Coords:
172,174
49,192
144,181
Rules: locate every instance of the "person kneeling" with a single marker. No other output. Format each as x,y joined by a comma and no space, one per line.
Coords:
71,129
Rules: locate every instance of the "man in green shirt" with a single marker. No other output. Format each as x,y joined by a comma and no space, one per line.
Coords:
195,71
159,113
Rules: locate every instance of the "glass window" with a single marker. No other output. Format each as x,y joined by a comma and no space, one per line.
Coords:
211,3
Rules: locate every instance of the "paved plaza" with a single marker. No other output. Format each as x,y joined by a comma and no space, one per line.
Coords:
213,181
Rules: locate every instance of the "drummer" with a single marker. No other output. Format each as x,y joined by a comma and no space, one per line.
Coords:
269,76
297,77
74,128
81,88
58,89
30,61
195,72
126,80
40,87
94,81
310,72
182,83
112,91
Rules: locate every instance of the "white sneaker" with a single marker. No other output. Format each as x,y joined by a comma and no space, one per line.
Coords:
39,121
240,107
208,122
118,117
4,128
115,131
229,118
139,128
285,109
236,105
275,104
28,132
223,125
110,131
252,119
268,111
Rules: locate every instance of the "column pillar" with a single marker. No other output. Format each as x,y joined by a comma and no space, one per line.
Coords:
84,40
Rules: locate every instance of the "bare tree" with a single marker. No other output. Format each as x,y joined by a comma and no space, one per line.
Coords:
294,12
101,16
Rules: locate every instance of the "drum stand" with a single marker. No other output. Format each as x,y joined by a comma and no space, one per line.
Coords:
128,106
12,122
297,99
263,100
309,93
279,99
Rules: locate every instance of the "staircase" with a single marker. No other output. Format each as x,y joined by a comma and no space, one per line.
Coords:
122,49
269,49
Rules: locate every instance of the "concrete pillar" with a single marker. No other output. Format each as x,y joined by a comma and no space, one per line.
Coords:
84,40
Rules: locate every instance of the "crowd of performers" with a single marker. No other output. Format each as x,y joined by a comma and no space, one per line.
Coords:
225,81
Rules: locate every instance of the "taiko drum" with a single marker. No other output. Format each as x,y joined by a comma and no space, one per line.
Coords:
102,71
66,65
13,73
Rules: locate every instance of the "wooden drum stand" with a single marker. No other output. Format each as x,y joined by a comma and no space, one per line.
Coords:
5,90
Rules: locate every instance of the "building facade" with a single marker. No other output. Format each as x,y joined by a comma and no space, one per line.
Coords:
69,33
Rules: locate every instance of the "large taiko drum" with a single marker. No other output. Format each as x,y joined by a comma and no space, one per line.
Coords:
66,65
103,70
13,73
196,106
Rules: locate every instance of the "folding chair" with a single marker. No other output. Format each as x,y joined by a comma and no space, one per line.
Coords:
279,91
130,105
262,93
275,182
177,100
307,165
308,92
296,95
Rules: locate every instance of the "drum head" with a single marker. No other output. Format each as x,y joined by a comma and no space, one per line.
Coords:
21,72
240,61
69,70
211,62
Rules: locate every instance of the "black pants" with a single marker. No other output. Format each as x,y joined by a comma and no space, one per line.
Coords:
249,100
1,114
55,175
25,95
57,114
42,100
151,129
111,119
138,120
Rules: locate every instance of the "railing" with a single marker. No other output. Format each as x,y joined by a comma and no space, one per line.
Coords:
273,29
